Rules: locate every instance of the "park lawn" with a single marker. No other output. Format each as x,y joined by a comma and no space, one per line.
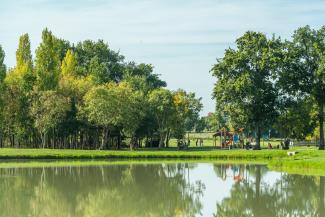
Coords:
307,160
208,141
191,153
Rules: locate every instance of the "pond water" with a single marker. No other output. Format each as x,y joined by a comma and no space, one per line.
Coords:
154,189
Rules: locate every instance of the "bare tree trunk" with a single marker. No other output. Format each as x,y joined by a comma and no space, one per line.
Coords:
167,138
258,138
133,143
119,140
162,140
44,140
104,139
81,138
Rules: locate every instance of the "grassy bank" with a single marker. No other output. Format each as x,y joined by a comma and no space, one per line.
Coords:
200,153
306,161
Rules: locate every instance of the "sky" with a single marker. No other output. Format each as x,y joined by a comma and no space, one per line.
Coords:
181,38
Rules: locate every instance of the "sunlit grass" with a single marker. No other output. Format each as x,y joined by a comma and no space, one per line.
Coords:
307,160
200,153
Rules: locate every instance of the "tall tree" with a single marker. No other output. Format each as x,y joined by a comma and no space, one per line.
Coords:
49,109
69,64
2,77
47,62
24,61
2,65
163,109
113,105
304,69
187,109
244,87
19,84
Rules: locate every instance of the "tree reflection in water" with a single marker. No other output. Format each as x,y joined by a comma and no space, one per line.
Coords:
150,190
112,191
291,195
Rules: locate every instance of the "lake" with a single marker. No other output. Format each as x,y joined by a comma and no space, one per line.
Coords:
158,189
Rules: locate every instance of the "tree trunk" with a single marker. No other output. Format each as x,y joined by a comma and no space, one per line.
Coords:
119,140
44,140
167,138
133,143
258,138
162,140
104,138
321,125
81,138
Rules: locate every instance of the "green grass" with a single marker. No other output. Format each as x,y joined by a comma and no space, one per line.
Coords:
306,161
193,153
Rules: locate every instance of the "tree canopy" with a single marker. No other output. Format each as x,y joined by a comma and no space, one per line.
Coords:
244,89
87,96
267,83
303,72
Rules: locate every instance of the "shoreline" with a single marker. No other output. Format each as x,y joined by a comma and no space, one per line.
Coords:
305,162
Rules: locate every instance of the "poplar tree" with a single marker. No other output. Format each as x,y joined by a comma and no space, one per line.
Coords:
47,62
2,65
18,86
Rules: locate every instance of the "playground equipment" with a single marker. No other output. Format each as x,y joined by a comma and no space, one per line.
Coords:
227,138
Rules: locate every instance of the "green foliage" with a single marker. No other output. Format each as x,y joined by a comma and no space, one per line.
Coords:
2,65
213,123
187,112
24,64
303,72
84,96
266,81
48,61
144,71
303,68
18,86
297,120
162,105
97,60
69,64
244,89
2,101
113,105
49,109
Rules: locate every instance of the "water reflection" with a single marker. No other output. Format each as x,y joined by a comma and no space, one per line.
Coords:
291,195
158,190
119,190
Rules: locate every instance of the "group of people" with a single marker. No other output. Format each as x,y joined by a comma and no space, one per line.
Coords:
199,142
181,143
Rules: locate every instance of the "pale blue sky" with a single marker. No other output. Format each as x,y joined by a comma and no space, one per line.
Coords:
181,38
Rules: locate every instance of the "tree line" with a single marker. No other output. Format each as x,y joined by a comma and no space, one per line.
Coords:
266,83
87,96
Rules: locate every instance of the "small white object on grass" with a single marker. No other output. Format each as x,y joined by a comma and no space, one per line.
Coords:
291,153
